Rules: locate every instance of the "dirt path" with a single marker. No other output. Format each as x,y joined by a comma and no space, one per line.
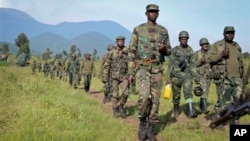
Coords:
132,121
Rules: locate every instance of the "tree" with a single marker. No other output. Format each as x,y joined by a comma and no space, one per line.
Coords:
23,54
73,49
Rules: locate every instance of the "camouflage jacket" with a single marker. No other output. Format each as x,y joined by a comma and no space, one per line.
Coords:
203,69
226,67
117,64
181,63
73,66
145,39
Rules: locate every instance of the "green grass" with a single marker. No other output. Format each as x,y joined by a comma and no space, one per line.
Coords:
36,108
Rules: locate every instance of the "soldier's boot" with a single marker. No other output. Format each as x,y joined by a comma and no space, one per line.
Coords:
122,111
191,112
142,133
176,111
151,132
203,105
116,112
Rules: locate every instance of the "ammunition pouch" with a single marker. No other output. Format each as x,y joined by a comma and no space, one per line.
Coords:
182,65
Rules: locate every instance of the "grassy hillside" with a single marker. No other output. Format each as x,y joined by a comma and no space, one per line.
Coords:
36,108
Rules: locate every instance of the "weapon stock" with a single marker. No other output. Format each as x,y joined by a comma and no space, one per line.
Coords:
231,112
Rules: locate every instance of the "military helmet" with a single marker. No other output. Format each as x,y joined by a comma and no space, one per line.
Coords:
73,55
198,91
183,34
204,41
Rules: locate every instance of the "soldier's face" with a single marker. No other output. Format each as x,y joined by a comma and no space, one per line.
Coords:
205,47
152,15
120,43
229,36
183,41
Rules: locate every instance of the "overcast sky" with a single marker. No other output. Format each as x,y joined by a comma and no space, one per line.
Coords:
201,18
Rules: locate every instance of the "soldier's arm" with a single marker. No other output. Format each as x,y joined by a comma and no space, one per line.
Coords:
170,64
196,59
193,67
213,54
166,50
132,51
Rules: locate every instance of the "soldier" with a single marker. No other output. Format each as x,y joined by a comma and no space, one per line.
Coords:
52,70
46,69
39,67
204,70
117,64
227,67
181,71
149,43
73,69
87,69
59,69
33,67
107,86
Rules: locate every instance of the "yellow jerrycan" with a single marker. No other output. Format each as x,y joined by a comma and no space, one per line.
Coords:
167,93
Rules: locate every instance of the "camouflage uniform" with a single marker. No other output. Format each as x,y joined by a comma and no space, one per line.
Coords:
33,67
73,69
227,66
87,69
107,90
59,69
149,43
46,69
181,71
39,67
117,64
204,70
52,70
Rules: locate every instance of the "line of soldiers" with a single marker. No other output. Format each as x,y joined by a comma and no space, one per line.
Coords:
187,70
72,71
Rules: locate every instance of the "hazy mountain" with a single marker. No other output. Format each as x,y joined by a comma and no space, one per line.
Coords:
86,35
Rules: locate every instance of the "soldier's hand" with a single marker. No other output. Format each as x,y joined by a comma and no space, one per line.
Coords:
203,60
225,53
168,82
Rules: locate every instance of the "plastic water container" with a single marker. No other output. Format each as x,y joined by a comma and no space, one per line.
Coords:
167,91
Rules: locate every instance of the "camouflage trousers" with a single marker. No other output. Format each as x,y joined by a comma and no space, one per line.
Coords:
75,79
149,85
116,98
107,88
177,84
233,88
205,85
219,88
87,79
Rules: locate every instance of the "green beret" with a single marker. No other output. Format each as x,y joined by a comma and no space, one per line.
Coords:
120,38
229,29
152,7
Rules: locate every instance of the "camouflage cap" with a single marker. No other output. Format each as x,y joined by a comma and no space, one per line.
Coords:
152,7
229,29
87,54
120,38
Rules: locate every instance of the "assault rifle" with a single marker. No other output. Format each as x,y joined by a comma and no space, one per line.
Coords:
162,38
234,111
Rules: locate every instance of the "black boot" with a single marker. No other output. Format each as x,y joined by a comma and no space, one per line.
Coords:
142,133
176,110
122,111
151,132
191,112
203,105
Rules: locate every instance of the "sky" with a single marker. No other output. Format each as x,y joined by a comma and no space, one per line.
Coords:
201,18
